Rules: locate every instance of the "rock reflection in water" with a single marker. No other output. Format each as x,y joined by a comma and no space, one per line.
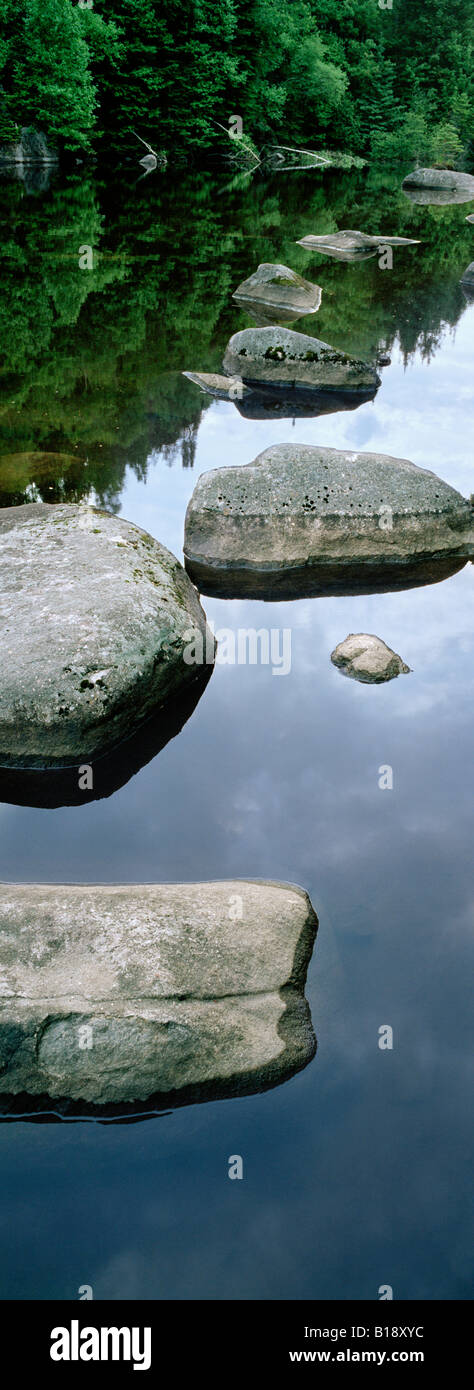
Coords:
68,786
323,580
438,197
272,403
267,402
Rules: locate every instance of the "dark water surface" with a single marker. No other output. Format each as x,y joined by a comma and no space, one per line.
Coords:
356,1170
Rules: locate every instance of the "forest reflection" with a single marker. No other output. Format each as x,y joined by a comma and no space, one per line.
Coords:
111,291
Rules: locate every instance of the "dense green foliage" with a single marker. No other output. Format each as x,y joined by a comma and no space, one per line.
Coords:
91,360
392,75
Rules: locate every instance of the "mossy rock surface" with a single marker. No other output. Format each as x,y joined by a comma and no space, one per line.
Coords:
280,356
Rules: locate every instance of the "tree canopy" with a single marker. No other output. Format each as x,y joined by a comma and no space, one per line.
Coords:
358,73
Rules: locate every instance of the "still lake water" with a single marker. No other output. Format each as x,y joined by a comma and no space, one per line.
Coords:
356,1171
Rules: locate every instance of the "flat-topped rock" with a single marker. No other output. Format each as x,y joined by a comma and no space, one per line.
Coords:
275,288
438,187
352,245
93,617
440,178
280,356
111,994
366,658
299,516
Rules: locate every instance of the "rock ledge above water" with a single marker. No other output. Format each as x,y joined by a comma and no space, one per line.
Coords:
112,994
439,178
300,513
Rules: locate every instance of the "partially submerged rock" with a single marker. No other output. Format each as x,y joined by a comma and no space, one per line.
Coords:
223,388
303,520
439,178
93,621
352,245
280,356
277,290
152,994
37,469
439,186
367,659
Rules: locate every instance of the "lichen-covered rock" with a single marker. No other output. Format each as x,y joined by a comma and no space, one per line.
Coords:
112,994
301,518
93,622
277,288
281,356
367,659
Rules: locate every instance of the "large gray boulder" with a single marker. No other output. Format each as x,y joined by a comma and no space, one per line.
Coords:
112,994
439,187
279,356
93,622
304,519
470,217
440,178
276,290
352,245
365,658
